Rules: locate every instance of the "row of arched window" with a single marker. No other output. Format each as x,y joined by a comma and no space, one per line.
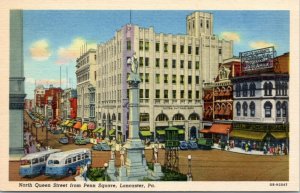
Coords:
244,89
178,116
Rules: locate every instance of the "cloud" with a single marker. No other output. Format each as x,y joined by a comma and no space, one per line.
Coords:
54,82
30,80
40,50
261,44
231,36
69,53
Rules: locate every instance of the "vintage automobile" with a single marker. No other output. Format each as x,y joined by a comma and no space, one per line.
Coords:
64,140
57,131
183,145
102,146
80,141
205,143
192,145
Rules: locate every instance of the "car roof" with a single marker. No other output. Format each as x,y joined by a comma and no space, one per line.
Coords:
39,154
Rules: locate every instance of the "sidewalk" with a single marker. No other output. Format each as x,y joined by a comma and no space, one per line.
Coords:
240,150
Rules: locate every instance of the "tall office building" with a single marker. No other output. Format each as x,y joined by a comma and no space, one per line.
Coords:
172,68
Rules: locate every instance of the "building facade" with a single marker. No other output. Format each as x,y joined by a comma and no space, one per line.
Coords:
67,103
172,69
39,99
52,102
29,105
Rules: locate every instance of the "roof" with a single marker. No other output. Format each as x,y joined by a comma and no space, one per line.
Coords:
39,154
220,128
62,155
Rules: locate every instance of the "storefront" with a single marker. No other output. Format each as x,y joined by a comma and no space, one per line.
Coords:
218,132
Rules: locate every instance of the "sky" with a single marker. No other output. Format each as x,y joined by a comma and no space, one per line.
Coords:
52,39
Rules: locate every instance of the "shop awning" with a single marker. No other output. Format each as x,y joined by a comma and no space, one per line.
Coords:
70,124
84,127
180,131
77,125
204,131
146,133
91,126
220,128
112,132
279,135
161,132
248,135
98,130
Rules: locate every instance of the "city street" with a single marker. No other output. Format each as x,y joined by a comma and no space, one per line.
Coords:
207,165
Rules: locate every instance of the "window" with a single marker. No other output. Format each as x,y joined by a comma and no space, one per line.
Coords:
252,109
268,109
278,109
197,79
174,79
284,89
197,65
147,93
173,63
278,88
238,90
181,79
74,159
189,64
147,77
245,109
69,160
162,117
128,45
220,51
165,47
165,63
147,46
189,49
42,159
238,109
173,48
157,62
141,76
141,93
245,90
207,24
157,94
78,157
141,61
284,109
197,51
181,63
190,94
141,45
268,87
144,117
174,94
165,78
157,47
178,116
157,78
147,62
252,89
166,94
181,49
197,94
182,94
189,79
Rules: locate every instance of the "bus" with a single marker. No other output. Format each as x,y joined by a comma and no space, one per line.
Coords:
34,164
65,163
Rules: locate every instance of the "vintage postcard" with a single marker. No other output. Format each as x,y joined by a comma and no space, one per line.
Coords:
106,96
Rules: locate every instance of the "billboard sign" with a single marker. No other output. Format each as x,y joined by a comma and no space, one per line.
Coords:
258,60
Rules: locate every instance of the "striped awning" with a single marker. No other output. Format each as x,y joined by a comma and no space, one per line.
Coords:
98,130
112,132
161,132
146,133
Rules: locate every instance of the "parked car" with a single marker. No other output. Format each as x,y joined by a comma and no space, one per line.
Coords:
102,146
64,140
80,141
205,143
183,145
57,131
192,145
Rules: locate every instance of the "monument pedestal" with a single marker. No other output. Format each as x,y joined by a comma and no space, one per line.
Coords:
111,169
157,173
123,174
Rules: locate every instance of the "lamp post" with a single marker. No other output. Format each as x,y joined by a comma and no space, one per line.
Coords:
189,175
105,171
227,139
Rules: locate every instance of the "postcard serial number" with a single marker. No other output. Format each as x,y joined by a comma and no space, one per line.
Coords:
278,184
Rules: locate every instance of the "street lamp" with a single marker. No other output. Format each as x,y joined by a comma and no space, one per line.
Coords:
227,139
189,175
105,171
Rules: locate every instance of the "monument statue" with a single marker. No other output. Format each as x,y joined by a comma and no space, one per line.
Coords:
113,152
134,64
122,152
155,153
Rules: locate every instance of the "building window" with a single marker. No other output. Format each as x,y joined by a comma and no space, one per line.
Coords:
157,62
157,94
268,109
173,48
189,64
165,63
181,63
220,51
128,43
141,76
252,89
141,93
165,78
278,88
157,78
147,62
174,94
197,51
166,94
178,116
190,94
237,90
182,94
162,117
147,46
174,79
252,109
284,89
157,47
119,116
197,80
147,93
165,47
245,90
189,49
268,87
141,61
173,63
278,109
207,24
181,49
144,117
181,79
197,65
147,77
197,94
189,79
245,109
284,109
238,109
141,45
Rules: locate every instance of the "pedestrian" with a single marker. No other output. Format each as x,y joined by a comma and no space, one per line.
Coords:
246,147
265,149
85,172
78,170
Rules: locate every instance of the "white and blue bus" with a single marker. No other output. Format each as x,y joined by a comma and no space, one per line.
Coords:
34,164
65,163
